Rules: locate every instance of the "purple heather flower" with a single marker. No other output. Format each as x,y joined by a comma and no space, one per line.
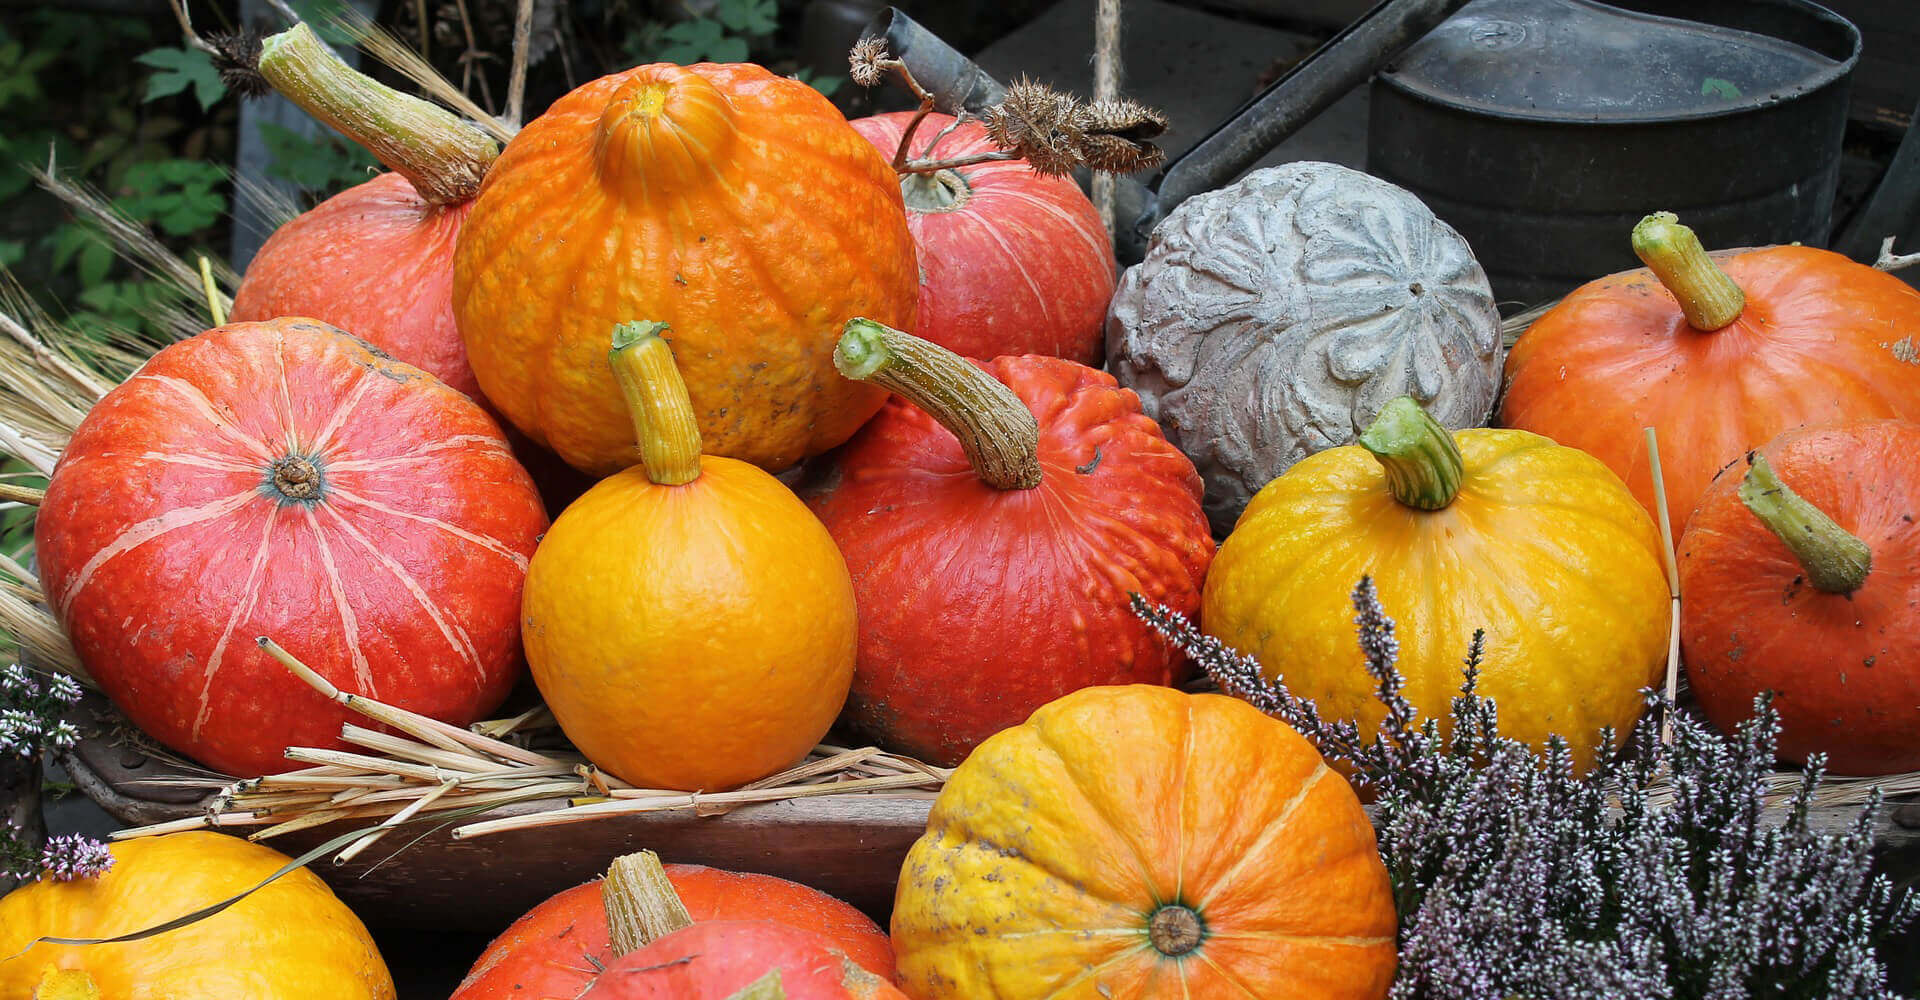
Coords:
1516,876
30,712
71,856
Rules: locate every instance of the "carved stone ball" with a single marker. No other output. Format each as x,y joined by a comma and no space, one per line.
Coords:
1273,318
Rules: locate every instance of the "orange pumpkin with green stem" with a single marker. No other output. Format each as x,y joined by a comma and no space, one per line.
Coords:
735,205
292,940
1501,530
1717,352
1801,574
1140,843
689,622
375,260
995,518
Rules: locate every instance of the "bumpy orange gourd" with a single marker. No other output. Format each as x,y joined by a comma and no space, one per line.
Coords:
689,621
556,949
735,205
1718,355
1831,623
1141,843
1500,530
289,941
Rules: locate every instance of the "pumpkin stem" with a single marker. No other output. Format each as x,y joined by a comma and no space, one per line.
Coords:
995,428
66,984
1422,461
767,987
640,902
1673,253
663,421
1835,561
444,157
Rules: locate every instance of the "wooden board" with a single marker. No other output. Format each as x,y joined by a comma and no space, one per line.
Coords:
850,846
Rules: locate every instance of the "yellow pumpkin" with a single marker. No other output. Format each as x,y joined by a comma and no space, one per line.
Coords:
292,940
689,621
1503,530
1141,843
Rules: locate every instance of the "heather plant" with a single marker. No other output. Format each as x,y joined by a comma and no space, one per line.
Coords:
30,723
1655,875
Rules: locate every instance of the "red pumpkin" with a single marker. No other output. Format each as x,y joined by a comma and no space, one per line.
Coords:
282,479
993,577
1830,622
719,959
556,948
376,259
1719,354
1011,261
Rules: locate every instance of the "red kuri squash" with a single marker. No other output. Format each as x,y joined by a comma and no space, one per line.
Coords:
375,260
556,948
282,479
1801,575
992,569
739,960
1011,261
1718,352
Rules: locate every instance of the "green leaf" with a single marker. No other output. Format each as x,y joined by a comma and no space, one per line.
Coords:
324,163
749,17
320,16
11,252
180,69
1713,86
826,85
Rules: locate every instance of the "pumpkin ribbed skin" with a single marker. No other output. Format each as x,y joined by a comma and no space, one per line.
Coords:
375,260
717,959
1846,666
734,205
166,548
1016,263
552,950
1820,340
697,636
1543,547
1051,850
289,941
979,605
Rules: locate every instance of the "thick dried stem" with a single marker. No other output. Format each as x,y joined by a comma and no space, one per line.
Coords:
996,430
640,902
1422,462
1673,253
663,420
1835,560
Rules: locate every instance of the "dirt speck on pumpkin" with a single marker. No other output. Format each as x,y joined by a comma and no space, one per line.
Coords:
1904,350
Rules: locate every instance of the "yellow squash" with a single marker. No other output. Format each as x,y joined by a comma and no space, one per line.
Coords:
292,940
689,621
1542,546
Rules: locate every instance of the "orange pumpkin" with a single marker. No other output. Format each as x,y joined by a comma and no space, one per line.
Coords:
689,621
737,206
1140,843
1800,574
1719,354
554,950
292,940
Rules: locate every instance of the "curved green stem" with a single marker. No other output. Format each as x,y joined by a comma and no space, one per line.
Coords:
1422,462
444,157
995,428
1673,253
1834,560
656,395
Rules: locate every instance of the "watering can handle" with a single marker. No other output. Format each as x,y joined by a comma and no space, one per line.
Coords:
954,81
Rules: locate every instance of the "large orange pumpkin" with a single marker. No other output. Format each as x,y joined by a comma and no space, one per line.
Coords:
737,206
1140,843
292,940
1801,575
994,527
556,949
283,479
1719,354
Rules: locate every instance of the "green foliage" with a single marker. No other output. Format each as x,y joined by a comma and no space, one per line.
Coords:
323,163
179,69
727,34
